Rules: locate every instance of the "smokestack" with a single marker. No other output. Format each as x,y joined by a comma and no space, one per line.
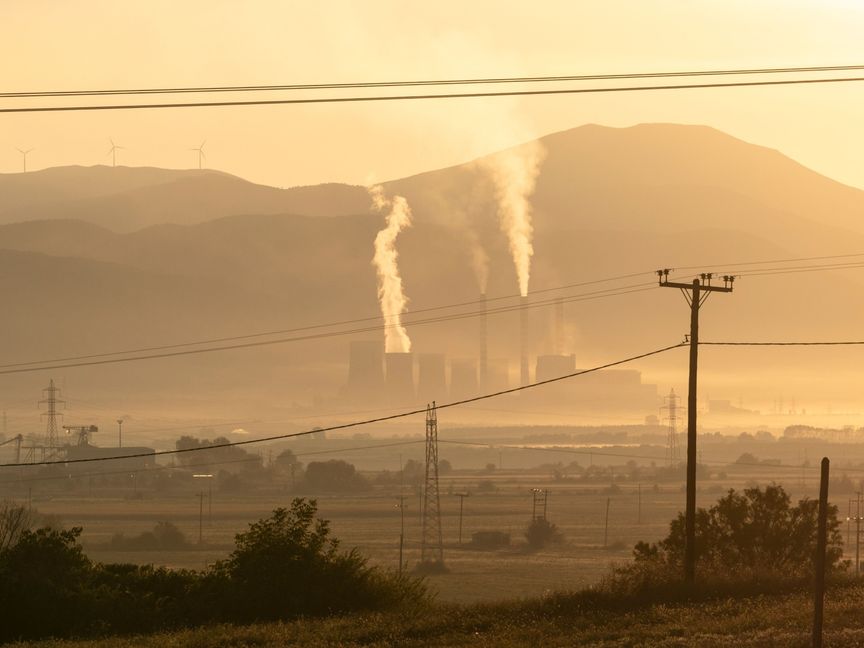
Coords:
400,377
484,360
432,382
524,378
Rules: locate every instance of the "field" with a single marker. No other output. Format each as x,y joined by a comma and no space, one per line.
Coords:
760,622
371,523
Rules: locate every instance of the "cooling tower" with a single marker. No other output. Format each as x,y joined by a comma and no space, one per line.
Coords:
399,381
432,381
524,377
497,376
553,366
463,378
365,369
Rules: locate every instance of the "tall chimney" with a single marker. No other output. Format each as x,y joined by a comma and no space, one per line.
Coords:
523,325
484,360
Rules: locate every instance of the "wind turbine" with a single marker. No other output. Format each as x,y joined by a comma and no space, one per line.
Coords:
113,152
24,155
201,155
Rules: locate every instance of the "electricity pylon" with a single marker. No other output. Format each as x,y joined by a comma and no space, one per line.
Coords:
432,545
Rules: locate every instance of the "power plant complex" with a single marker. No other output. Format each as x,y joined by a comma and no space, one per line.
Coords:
398,379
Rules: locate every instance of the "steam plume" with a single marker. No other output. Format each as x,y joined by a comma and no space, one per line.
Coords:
391,297
479,259
514,174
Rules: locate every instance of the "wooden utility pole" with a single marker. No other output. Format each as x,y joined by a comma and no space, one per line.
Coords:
606,523
821,543
461,497
695,293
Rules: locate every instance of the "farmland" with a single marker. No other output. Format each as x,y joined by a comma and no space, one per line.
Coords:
370,521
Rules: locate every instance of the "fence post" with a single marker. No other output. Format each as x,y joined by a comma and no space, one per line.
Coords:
821,543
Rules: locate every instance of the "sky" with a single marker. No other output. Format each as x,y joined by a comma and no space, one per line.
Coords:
90,44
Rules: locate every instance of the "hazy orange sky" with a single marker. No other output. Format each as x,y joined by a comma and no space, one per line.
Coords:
55,44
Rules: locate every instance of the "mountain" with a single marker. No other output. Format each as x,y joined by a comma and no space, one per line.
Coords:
125,199
106,258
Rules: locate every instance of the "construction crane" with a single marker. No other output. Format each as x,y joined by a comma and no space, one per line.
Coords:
17,440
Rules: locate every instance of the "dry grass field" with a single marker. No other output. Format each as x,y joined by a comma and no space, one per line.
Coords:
371,523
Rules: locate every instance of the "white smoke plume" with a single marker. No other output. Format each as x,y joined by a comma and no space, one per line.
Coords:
514,174
391,295
479,259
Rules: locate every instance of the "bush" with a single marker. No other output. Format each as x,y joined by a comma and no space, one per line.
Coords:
288,565
164,536
542,532
758,531
284,566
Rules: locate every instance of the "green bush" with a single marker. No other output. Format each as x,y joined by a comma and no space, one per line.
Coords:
284,566
289,565
757,531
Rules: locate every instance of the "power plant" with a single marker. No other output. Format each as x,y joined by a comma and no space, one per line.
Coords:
431,376
399,378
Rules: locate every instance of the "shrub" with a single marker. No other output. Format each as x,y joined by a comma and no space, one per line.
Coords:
756,531
542,532
288,565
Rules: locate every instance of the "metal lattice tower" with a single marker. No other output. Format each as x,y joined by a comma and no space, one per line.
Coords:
51,393
432,546
671,408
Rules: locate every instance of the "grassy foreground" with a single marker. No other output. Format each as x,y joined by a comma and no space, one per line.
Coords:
770,621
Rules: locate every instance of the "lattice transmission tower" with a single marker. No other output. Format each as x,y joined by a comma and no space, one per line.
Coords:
52,429
672,407
432,545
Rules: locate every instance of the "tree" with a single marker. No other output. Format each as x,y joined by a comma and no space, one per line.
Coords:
286,460
219,450
45,570
542,532
335,476
756,531
14,521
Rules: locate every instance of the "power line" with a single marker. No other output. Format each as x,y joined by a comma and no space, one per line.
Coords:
425,82
353,424
410,97
94,359
816,343
248,345
311,327
252,459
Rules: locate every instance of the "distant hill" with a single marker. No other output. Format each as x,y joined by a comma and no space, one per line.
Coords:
125,199
103,257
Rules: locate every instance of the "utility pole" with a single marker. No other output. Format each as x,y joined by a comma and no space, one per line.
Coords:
461,497
401,529
120,433
639,509
540,496
606,524
695,294
201,517
821,543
